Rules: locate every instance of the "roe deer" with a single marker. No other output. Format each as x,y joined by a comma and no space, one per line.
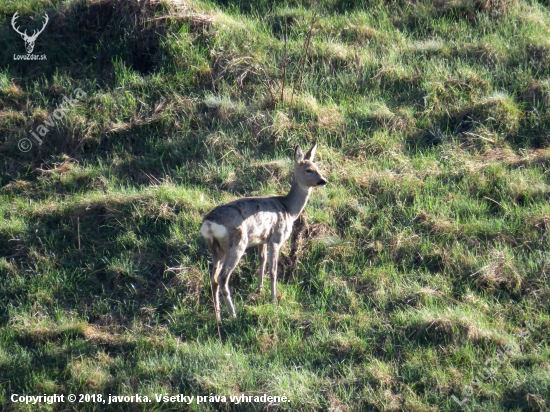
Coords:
265,222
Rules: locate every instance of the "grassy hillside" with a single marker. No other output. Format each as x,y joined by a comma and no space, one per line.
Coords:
421,272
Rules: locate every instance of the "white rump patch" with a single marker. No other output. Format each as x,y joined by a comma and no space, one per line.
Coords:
211,230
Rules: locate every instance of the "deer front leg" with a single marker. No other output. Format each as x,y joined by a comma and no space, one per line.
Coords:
262,251
231,260
273,251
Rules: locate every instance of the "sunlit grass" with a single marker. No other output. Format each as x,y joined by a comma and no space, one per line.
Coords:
424,256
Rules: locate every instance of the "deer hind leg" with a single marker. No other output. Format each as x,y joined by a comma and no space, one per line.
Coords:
216,288
231,260
273,251
217,261
262,252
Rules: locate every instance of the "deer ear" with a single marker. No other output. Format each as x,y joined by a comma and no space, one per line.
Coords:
311,152
298,154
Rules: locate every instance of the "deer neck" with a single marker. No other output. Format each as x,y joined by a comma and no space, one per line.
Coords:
295,201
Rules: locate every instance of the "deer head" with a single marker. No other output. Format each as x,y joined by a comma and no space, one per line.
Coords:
29,40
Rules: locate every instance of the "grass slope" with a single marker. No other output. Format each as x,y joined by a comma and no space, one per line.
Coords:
425,256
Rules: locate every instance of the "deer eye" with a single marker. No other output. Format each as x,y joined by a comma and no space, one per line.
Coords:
309,171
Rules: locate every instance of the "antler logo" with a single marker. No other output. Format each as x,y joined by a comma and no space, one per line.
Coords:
29,40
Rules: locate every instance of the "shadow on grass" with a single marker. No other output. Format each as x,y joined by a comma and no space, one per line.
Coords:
111,274
84,37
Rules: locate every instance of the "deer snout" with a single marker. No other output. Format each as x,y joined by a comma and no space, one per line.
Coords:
322,182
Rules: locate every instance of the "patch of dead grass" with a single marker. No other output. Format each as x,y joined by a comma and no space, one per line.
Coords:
535,401
380,374
468,80
346,345
377,183
362,34
502,155
495,113
500,274
61,168
540,221
448,330
266,342
335,403
398,121
437,225
140,119
274,126
188,278
329,118
451,328
220,145
477,302
470,8
103,335
94,376
18,186
13,94
425,295
486,52
334,53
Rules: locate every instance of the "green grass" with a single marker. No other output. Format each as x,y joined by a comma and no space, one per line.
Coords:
426,254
